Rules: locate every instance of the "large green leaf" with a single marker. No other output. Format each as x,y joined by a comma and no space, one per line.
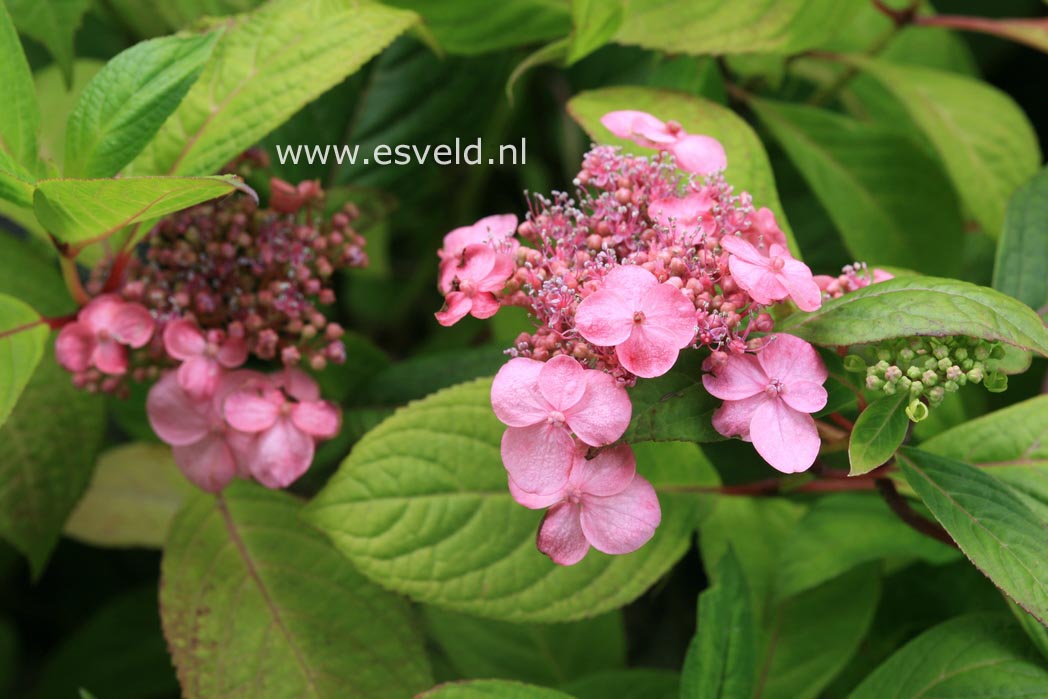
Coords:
20,118
674,406
878,432
990,523
57,103
133,496
252,597
636,683
982,137
491,689
1022,255
546,654
915,305
890,201
22,339
266,66
53,23
743,26
124,105
748,167
594,21
722,658
969,657
78,212
843,531
421,506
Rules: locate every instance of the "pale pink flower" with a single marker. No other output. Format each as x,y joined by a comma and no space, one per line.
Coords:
207,450
604,504
101,334
471,282
768,398
202,357
691,216
647,323
771,277
288,418
702,155
543,403
490,230
764,230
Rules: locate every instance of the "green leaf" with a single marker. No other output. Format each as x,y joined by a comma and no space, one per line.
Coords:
994,528
843,531
748,167
252,597
57,103
546,654
806,644
916,305
19,120
22,338
890,201
42,474
1035,630
742,26
133,496
78,212
124,105
1022,255
981,135
878,432
636,683
595,22
674,406
969,657
54,24
491,689
266,67
1031,32
722,657
428,485
505,24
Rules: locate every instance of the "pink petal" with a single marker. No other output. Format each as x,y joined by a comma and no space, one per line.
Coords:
199,376
247,411
74,346
319,419
668,315
97,315
458,307
683,212
183,340
515,394
490,229
538,458
785,438
702,155
757,280
797,278
110,357
530,500
233,353
629,124
132,325
560,535
562,381
299,385
495,280
805,396
242,446
175,417
734,417
208,463
789,358
624,522
768,228
744,250
282,454
484,305
647,353
741,377
603,413
605,317
880,275
477,262
608,473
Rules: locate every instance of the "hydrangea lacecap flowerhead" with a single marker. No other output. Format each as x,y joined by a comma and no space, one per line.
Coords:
702,155
768,398
103,331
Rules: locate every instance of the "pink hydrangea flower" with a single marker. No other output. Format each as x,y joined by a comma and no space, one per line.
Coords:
101,334
765,230
543,403
771,277
691,215
852,278
288,418
768,398
647,323
703,155
207,450
604,504
202,357
471,283
490,230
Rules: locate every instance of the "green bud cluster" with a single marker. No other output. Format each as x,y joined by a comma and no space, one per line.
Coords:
927,368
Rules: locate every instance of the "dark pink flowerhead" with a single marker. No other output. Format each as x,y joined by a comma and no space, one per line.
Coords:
604,504
101,334
768,399
647,323
543,404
